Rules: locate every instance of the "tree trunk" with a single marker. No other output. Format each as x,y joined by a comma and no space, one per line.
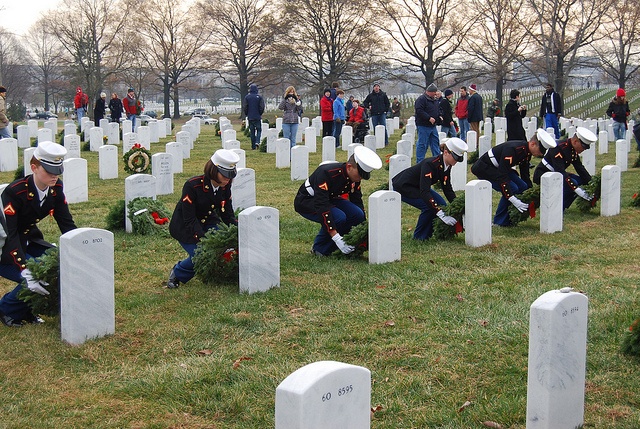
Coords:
176,106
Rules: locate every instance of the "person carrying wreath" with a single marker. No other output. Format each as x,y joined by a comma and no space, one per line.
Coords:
205,202
25,202
415,183
320,199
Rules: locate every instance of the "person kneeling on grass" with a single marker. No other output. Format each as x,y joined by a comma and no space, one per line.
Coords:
25,202
205,202
319,199
414,185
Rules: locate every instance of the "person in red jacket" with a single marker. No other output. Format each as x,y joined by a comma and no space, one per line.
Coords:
461,112
326,113
130,107
80,102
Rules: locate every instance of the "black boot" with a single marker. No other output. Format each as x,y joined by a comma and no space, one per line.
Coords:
173,282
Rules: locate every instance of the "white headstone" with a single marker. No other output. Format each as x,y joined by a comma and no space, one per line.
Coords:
72,144
70,129
370,142
279,124
242,155
484,144
126,127
397,163
113,131
23,136
162,129
347,136
243,189
459,174
622,154
184,138
328,148
283,153
162,169
75,180
104,123
8,154
175,149
137,185
351,148
488,128
108,162
44,135
144,137
26,160
324,395
259,252
551,184
228,135
384,227
477,207
87,298
32,124
557,360
128,141
154,134
310,139
232,144
610,190
411,130
52,124
610,134
405,147
472,141
96,140
380,133
317,124
271,135
588,157
167,126
500,136
299,162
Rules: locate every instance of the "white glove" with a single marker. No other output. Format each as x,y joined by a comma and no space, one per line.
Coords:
449,220
344,247
583,194
522,207
34,285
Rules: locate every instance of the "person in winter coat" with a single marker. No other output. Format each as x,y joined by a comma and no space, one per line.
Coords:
292,108
462,113
378,104
326,113
474,109
116,108
80,102
5,132
427,113
253,109
131,107
99,109
339,115
448,126
618,110
514,112
551,109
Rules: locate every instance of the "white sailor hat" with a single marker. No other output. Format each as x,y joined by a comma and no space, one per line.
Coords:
586,136
366,160
50,155
457,147
546,140
226,161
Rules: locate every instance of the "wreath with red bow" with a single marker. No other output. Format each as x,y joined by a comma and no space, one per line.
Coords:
137,160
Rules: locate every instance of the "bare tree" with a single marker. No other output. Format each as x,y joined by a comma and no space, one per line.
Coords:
559,30
46,59
175,36
429,34
93,33
244,30
619,46
499,41
12,68
326,40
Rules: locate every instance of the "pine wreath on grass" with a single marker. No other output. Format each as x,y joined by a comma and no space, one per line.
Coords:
531,195
358,237
637,163
47,269
148,216
635,200
472,157
263,145
115,217
631,340
216,256
442,231
592,188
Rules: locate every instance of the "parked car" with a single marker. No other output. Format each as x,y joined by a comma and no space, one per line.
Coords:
208,120
152,113
144,119
45,115
199,113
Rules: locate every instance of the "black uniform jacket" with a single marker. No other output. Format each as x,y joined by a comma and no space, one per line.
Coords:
327,183
507,155
22,211
200,208
559,158
416,181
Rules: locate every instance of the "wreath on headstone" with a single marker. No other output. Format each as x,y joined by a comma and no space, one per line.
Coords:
631,340
45,268
137,160
148,216
216,255
442,231
592,188
530,196
358,237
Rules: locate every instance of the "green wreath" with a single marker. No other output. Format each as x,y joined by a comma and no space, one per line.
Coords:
631,339
530,196
592,188
216,255
456,208
148,216
137,160
358,237
47,269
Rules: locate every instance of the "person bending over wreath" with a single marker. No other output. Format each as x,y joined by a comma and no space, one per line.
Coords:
205,201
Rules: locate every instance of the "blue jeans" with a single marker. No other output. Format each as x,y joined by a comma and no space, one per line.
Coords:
450,131
80,114
380,119
337,130
5,133
132,118
10,304
345,215
619,130
255,132
289,131
424,227
427,138
464,127
184,270
551,120
502,212
568,194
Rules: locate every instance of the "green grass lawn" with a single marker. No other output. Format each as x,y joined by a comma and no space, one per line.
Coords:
444,325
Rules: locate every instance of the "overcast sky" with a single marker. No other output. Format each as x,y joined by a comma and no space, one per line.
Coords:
18,15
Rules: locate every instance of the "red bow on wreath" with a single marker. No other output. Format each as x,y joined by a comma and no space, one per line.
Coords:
532,210
136,146
159,220
229,254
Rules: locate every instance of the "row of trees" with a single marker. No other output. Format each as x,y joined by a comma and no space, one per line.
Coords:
169,45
